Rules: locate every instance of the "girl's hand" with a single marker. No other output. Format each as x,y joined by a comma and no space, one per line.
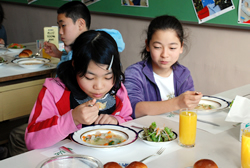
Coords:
85,114
189,99
106,119
52,50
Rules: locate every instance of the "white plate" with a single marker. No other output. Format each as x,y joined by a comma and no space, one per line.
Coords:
126,132
156,143
31,63
216,102
123,164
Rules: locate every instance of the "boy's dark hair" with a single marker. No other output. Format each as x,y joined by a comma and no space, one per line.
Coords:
163,22
76,10
97,46
1,15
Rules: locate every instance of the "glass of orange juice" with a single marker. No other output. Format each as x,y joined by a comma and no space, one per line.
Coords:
45,55
245,148
187,127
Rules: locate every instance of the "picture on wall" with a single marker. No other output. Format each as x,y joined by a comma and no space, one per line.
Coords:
244,12
31,1
208,9
136,3
89,2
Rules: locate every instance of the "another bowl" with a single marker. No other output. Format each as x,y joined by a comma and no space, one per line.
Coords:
16,50
72,161
140,135
31,63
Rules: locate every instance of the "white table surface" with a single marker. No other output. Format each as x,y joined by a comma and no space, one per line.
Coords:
11,69
223,148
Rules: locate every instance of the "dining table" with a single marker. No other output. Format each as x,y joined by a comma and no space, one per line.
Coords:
218,143
19,85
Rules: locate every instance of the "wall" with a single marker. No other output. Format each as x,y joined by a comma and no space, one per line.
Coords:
218,58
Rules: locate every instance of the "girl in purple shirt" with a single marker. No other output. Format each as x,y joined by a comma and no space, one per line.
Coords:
159,84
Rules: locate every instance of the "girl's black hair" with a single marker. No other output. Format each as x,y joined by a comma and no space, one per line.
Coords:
97,46
76,10
163,22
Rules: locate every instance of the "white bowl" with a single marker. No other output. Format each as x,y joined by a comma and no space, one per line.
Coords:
72,161
140,135
31,63
16,50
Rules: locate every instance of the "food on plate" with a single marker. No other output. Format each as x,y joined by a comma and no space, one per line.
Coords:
28,51
156,134
204,107
107,138
15,46
23,55
205,163
1,60
101,105
112,165
136,164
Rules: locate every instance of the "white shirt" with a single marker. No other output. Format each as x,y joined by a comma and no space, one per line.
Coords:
166,86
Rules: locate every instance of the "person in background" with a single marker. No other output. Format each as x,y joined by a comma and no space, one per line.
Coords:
87,91
73,19
3,41
159,84
3,35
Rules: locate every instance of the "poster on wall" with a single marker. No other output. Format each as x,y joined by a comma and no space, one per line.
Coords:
31,1
244,12
208,9
89,2
136,3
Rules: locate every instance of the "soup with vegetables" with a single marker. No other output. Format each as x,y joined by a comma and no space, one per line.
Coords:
107,138
204,107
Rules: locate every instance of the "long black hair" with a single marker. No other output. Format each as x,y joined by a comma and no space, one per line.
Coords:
97,46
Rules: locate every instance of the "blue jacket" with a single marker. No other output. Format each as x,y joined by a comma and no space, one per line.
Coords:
141,85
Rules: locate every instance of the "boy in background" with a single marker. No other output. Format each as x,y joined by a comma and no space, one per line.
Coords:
73,19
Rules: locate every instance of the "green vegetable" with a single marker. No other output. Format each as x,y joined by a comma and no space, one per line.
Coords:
155,134
231,104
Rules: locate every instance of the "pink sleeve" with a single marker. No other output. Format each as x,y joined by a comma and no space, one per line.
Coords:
125,113
46,126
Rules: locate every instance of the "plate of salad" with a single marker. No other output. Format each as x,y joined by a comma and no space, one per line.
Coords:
157,136
15,47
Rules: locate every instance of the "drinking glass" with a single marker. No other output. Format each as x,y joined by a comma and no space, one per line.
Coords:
45,55
187,127
245,148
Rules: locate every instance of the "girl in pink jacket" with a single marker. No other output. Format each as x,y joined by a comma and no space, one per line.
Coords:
88,90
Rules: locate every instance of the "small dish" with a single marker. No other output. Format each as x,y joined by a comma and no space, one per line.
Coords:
72,161
127,133
157,144
31,63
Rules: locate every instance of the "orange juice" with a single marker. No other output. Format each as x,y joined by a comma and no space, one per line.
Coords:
245,149
187,128
45,55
